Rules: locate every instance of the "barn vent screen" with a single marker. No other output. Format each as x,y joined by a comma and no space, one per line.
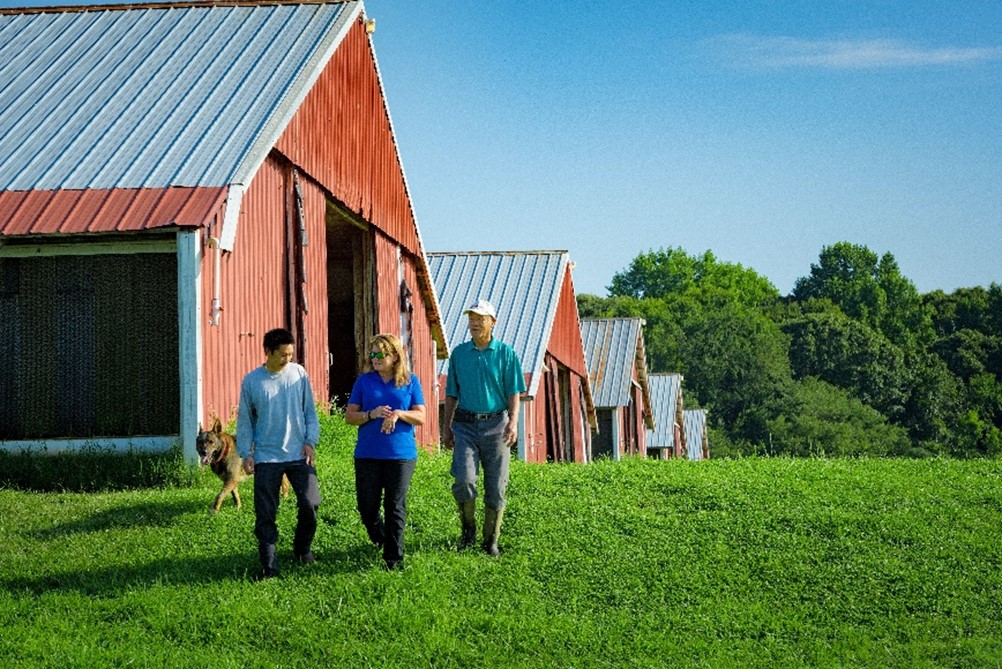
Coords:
91,346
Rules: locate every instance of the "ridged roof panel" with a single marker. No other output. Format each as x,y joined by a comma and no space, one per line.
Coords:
695,431
153,97
523,286
665,389
610,347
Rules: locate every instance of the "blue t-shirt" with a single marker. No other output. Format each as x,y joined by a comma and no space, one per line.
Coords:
370,392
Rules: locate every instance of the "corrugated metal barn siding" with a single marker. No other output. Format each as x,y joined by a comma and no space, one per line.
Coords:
149,97
639,432
610,347
346,108
565,338
665,390
566,346
534,410
252,289
424,356
315,256
387,285
696,434
132,209
524,288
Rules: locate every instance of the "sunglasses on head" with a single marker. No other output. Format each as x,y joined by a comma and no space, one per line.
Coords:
377,355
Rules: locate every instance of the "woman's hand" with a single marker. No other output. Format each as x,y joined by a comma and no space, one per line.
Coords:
389,420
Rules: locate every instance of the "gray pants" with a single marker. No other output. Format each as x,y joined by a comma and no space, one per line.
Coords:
481,443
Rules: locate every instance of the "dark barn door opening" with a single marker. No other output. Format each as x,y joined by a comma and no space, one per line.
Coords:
350,319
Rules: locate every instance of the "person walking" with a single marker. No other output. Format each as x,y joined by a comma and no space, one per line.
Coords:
386,403
480,424
277,434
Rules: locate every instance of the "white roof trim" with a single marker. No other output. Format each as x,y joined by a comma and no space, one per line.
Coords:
231,214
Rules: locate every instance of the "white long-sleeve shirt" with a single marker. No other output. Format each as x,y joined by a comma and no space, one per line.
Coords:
277,415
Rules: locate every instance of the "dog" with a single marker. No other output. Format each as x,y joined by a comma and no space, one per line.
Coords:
218,450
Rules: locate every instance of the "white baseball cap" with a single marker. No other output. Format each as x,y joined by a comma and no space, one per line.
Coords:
482,307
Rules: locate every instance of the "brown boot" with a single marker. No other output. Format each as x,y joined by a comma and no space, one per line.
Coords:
468,516
492,530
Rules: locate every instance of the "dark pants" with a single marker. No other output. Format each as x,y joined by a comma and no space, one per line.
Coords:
384,481
267,482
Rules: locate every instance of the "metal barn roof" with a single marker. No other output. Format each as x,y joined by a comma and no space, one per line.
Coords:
524,287
665,389
695,431
610,346
189,96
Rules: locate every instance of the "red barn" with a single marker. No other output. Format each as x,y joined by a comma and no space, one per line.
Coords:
533,292
617,367
176,179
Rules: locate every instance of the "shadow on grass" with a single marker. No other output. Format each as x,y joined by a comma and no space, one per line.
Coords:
159,514
186,571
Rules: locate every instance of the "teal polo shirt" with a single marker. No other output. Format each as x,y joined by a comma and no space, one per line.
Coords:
482,381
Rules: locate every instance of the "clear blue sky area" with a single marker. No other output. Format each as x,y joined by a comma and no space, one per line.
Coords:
761,131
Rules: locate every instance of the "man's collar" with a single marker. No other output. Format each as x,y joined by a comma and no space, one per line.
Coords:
492,344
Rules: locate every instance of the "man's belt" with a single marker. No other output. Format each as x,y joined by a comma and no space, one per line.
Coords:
464,416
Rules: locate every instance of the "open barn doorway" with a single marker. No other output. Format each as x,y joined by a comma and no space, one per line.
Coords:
350,305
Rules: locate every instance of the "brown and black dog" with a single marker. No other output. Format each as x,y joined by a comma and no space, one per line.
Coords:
218,450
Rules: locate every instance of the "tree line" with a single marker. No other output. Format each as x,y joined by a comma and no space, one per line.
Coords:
855,361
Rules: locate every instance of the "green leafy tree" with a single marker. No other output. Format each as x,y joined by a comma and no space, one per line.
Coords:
869,290
824,420
849,354
978,309
671,272
707,320
735,360
977,437
968,323
934,403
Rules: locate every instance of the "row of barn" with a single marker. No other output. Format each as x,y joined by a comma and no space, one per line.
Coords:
176,179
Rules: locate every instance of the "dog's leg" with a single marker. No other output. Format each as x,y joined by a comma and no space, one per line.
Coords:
228,488
236,496
285,485
216,503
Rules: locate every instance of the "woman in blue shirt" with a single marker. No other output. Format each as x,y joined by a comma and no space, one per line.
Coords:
386,403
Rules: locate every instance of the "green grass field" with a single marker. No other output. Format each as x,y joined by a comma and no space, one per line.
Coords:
745,563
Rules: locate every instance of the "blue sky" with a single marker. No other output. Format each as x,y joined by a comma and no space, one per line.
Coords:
760,131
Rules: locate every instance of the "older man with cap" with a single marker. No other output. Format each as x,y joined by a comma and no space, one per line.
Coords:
481,422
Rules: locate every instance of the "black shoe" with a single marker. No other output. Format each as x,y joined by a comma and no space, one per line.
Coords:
265,574
306,558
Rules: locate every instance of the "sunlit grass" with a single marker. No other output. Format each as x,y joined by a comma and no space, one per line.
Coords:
740,563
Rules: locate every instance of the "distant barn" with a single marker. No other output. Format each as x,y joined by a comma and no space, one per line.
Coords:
533,292
668,438
617,368
697,436
176,179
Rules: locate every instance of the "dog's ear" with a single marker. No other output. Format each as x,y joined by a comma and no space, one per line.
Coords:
217,427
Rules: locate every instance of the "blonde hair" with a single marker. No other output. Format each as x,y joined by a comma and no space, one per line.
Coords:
390,343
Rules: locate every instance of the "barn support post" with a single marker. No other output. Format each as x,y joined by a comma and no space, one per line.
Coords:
189,310
616,417
521,431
